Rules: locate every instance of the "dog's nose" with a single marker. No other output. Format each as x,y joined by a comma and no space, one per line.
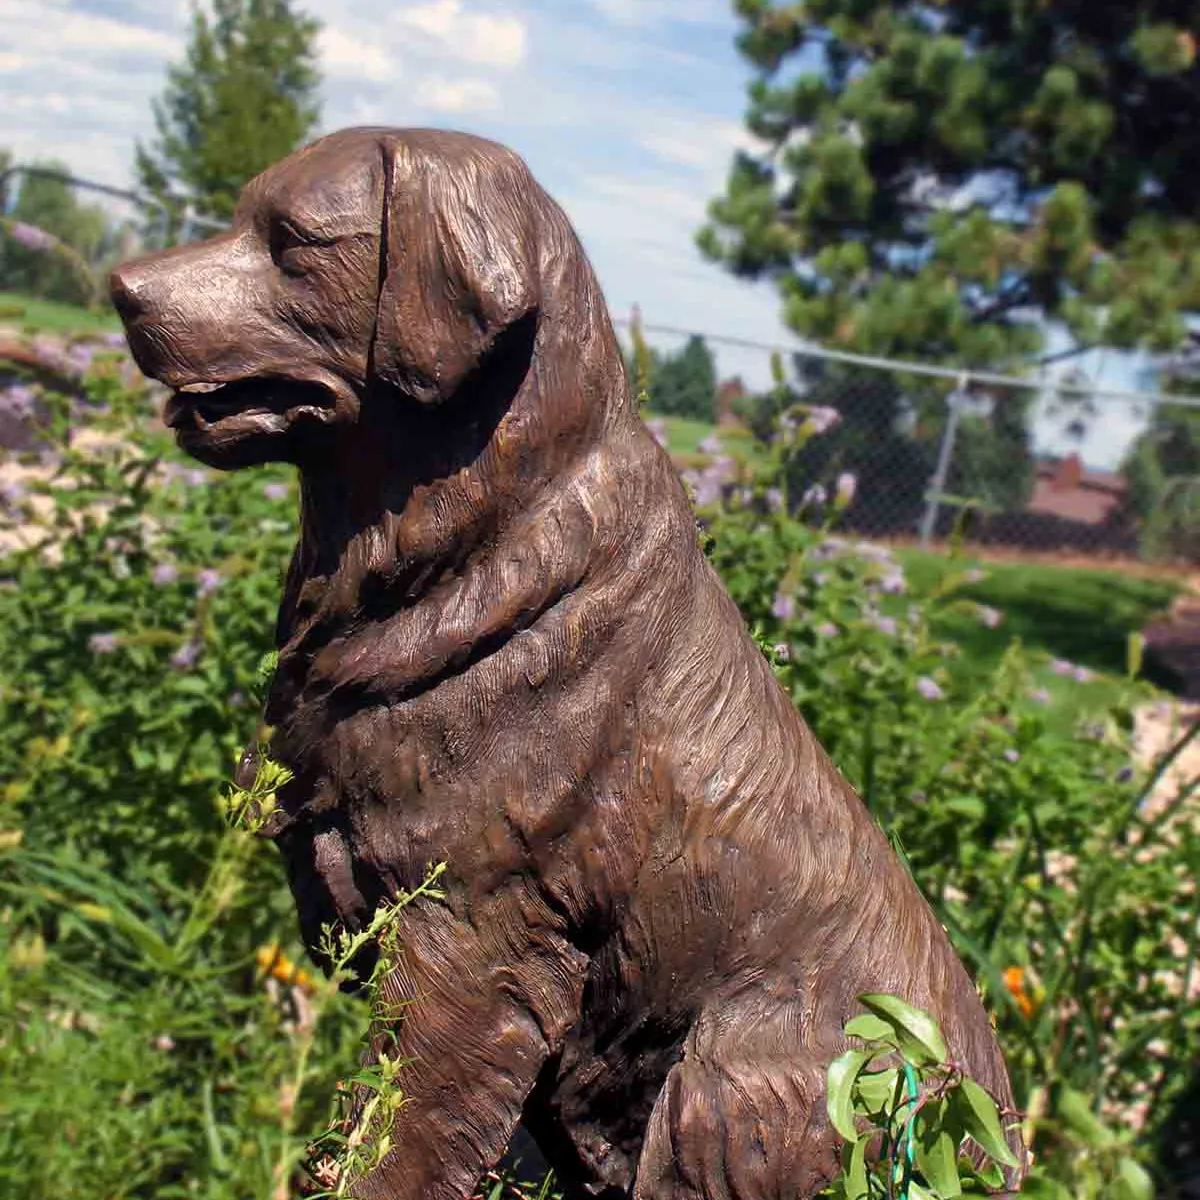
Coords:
126,286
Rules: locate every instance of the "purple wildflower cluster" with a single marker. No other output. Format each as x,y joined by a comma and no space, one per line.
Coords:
103,643
708,485
275,491
992,618
190,476
658,428
186,656
165,573
207,582
18,399
929,689
30,236
1070,670
12,496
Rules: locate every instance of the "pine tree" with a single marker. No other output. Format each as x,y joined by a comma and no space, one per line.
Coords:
244,97
685,384
934,177
941,180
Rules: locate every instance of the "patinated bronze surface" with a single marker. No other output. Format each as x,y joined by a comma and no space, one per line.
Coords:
501,647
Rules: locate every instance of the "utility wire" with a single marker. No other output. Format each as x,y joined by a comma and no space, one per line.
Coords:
953,374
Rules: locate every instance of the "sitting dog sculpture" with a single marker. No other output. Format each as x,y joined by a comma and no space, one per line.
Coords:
501,647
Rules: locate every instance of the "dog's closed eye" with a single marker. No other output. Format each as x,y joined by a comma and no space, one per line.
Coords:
290,242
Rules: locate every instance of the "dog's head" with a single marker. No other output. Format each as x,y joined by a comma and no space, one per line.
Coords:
371,260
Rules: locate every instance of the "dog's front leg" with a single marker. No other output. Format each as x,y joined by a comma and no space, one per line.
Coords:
481,1005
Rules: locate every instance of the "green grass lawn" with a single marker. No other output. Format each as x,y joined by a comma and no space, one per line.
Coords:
685,435
32,315
1083,616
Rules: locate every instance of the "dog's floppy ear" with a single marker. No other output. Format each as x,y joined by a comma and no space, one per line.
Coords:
459,260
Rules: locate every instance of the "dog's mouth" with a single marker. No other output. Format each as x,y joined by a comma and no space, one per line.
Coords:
265,402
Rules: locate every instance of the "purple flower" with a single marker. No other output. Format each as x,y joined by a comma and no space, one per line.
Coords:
12,492
114,341
823,418
774,497
186,656
827,629
1012,756
707,491
195,477
991,617
844,489
103,643
31,237
80,357
165,573
710,445
207,582
886,625
51,353
275,491
18,398
893,583
929,690
782,651
784,607
1040,696
658,428
1060,666
1082,675
814,495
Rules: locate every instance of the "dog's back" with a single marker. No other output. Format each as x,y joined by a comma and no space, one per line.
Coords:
764,901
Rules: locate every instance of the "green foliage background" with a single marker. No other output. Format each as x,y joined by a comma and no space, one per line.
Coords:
139,1022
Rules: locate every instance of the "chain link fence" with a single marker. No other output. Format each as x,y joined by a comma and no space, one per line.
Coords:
1048,466
1032,464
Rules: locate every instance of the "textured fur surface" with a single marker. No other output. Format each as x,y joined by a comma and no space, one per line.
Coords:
502,648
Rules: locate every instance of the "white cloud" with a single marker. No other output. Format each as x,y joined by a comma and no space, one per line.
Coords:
459,95
343,56
496,39
42,28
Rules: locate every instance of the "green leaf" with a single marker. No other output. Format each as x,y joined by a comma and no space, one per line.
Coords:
916,1031
937,1149
870,1028
856,1184
1133,1181
877,1090
843,1071
977,1112
966,806
990,1175
1076,1114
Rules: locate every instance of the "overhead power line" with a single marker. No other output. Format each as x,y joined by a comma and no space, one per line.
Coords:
959,376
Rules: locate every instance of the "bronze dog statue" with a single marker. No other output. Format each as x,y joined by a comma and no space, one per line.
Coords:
501,647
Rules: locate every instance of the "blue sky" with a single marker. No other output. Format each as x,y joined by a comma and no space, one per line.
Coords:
628,111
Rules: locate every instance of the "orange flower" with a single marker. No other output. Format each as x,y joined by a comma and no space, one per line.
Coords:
1014,981
275,964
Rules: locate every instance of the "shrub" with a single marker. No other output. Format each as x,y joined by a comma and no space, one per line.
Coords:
157,1039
